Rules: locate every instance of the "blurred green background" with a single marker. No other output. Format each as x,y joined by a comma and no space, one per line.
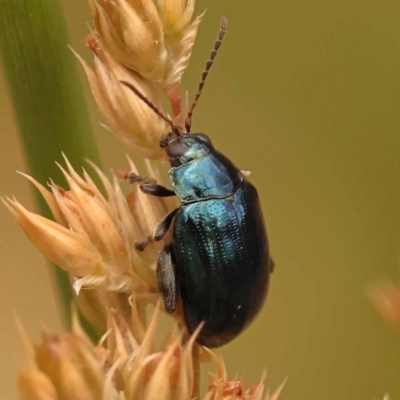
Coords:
306,95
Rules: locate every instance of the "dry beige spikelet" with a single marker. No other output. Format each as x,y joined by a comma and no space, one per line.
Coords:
70,367
147,43
176,15
126,116
94,237
152,38
132,32
65,366
125,365
222,388
180,35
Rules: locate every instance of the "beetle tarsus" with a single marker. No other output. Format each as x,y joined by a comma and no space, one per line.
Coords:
149,186
133,177
142,244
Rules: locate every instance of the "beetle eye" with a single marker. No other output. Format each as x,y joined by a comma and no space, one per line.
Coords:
176,149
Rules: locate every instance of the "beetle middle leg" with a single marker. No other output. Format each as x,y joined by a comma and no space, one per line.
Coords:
149,186
166,278
159,231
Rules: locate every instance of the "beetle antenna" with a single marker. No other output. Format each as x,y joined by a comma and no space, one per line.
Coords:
217,45
142,97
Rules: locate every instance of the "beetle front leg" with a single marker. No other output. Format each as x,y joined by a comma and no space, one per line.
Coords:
149,186
166,278
159,231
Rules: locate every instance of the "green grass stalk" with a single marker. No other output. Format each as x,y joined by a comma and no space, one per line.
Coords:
47,95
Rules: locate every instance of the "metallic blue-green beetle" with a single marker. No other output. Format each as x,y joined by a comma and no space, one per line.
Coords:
218,263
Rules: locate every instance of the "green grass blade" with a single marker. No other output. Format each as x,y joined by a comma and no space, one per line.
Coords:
47,94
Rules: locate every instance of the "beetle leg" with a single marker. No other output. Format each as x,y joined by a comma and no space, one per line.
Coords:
162,227
149,186
166,278
159,231
156,190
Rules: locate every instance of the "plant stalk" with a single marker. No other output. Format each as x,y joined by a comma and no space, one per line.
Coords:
47,96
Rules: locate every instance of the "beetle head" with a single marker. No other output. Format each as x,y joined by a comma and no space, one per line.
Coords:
186,148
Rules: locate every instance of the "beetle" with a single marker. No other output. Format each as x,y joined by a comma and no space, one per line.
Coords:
218,263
